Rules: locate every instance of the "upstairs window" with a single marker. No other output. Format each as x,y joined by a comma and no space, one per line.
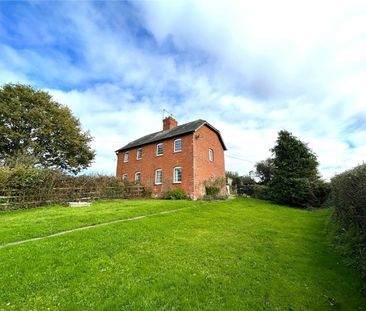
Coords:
178,145
137,177
158,176
177,178
139,154
125,159
124,176
210,155
159,149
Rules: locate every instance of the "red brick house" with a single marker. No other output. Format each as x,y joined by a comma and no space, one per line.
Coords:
181,156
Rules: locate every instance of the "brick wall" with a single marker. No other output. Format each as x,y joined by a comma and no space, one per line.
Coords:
195,169
150,162
205,139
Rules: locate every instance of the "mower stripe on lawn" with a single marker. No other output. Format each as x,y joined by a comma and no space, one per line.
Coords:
91,227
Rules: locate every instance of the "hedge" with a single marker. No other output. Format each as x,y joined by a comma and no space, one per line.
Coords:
261,192
349,201
25,186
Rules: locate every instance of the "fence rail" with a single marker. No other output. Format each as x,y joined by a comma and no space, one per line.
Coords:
23,198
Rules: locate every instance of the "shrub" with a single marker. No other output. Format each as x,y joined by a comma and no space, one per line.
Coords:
261,192
246,186
319,193
301,192
212,190
214,186
175,194
4,175
349,200
291,191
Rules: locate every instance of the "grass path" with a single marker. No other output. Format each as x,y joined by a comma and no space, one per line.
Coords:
38,222
237,255
91,227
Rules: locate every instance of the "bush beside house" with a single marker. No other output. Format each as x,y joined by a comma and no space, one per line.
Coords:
175,194
215,188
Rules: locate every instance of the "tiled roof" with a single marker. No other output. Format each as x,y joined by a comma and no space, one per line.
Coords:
176,131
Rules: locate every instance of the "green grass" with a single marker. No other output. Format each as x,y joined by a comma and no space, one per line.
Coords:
23,224
235,255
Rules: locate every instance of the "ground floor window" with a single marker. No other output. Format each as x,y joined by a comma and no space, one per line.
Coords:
124,176
177,175
138,177
158,176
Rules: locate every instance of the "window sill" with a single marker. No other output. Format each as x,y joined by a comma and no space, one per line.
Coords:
158,184
177,182
159,155
177,151
138,159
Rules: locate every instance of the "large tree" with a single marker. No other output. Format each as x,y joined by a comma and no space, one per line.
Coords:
264,171
34,126
295,174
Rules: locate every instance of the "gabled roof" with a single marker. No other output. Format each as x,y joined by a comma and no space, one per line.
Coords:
186,128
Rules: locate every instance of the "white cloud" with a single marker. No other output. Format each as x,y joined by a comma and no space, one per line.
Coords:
249,68
303,60
114,118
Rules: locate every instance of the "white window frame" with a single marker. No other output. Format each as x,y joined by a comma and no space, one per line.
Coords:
138,180
211,154
175,181
124,176
139,154
162,149
125,157
156,176
176,140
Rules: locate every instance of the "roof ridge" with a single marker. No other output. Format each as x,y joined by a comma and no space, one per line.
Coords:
182,129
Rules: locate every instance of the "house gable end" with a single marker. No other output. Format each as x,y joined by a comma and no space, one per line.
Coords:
217,133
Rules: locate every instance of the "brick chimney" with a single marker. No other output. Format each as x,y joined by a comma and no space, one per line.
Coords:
169,123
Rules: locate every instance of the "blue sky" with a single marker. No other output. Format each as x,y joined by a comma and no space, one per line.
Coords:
250,69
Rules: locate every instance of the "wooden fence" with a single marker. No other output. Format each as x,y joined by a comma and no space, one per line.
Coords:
23,198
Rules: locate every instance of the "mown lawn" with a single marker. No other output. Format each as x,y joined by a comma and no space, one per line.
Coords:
242,254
